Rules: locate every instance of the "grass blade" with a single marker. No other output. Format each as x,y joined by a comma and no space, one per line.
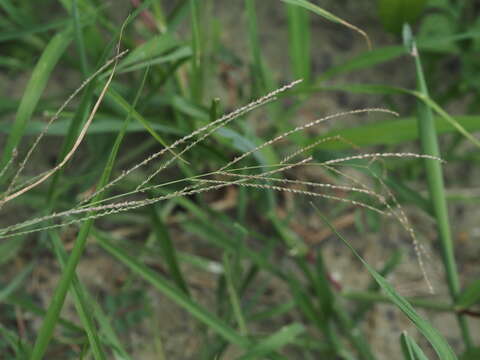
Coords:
168,250
435,107
129,109
38,80
437,341
58,298
392,132
197,70
81,304
299,35
21,349
172,292
429,144
411,351
233,295
9,248
470,296
329,16
30,306
15,283
274,342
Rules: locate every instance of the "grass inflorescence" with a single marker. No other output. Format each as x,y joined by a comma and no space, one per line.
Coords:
151,177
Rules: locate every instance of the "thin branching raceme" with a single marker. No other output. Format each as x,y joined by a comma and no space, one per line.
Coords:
9,163
382,155
200,178
221,121
268,143
109,209
126,205
304,127
403,219
300,192
303,183
310,147
276,167
398,213
189,190
78,141
220,172
53,119
200,183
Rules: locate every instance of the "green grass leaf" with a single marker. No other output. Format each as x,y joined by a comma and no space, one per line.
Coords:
168,249
155,46
172,292
274,342
411,351
10,247
393,132
470,296
329,16
15,283
82,305
38,80
437,341
19,346
434,171
395,13
68,275
299,42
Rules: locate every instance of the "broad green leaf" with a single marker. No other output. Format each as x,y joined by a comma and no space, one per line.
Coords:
392,132
390,90
438,25
395,13
364,60
299,42
471,354
470,296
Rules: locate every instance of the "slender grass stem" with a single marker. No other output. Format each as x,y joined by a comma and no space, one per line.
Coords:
429,144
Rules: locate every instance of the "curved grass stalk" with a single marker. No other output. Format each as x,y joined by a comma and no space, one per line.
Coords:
304,127
189,190
230,116
214,126
55,117
75,146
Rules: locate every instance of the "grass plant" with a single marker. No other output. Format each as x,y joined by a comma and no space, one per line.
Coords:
143,158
